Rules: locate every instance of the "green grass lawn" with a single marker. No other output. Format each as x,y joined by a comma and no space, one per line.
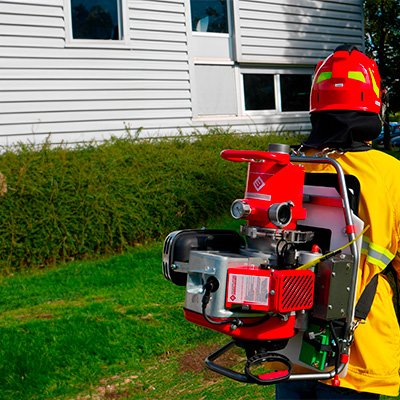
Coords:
111,328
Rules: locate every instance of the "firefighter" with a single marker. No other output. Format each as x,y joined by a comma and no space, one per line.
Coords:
345,117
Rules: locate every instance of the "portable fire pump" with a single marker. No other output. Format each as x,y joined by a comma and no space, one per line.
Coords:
283,288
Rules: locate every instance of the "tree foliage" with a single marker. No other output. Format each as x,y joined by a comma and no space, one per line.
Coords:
382,38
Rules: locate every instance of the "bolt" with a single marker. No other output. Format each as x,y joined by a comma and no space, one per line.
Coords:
330,307
272,292
285,317
315,364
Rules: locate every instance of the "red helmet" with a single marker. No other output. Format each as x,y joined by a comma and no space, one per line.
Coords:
346,80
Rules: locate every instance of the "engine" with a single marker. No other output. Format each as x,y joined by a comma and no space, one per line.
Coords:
278,288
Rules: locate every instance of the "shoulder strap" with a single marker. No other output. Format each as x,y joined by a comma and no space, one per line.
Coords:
367,297
390,274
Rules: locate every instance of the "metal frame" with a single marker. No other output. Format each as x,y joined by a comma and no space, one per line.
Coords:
350,310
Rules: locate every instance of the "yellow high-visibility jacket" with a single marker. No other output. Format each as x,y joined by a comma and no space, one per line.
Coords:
375,353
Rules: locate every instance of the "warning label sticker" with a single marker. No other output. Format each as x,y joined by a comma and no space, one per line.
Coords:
243,289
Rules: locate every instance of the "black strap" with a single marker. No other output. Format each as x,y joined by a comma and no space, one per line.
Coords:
318,346
365,301
390,274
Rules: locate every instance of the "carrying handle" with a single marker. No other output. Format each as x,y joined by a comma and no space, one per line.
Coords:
255,155
229,373
269,378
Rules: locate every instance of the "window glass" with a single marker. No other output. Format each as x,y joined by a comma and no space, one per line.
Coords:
96,19
259,93
295,92
209,16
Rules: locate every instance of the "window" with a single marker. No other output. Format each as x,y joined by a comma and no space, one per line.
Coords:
295,92
259,92
209,16
96,19
279,91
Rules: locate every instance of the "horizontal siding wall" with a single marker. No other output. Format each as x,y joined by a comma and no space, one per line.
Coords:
68,92
301,32
74,94
297,123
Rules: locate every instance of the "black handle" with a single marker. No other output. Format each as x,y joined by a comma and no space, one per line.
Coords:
263,379
268,378
223,370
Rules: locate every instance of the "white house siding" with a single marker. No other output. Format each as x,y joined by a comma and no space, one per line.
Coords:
295,32
69,92
76,93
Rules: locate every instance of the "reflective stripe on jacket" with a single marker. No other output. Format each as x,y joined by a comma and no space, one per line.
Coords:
376,254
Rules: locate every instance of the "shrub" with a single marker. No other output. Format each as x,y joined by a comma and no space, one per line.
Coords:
66,203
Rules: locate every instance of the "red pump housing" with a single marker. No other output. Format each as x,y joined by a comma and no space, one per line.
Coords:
274,189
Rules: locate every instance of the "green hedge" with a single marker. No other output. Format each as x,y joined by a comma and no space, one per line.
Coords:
67,203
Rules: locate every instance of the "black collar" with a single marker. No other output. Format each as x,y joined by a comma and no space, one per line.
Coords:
343,130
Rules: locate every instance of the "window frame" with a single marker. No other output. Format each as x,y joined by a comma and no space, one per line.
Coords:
277,88
70,41
229,16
